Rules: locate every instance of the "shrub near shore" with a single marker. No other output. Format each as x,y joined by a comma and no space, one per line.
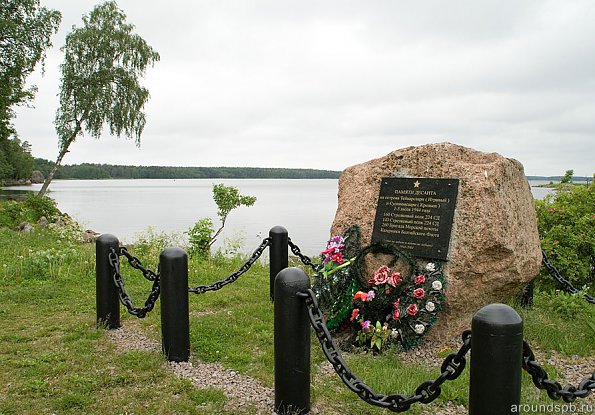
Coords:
566,223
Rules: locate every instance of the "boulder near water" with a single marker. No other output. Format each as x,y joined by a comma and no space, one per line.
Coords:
494,247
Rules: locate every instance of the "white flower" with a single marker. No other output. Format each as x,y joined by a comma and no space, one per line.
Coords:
437,285
394,333
419,328
430,306
431,267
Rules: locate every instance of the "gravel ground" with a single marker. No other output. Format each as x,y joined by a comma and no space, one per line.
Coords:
245,392
241,391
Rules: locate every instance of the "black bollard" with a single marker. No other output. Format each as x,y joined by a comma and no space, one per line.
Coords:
175,321
527,295
106,293
496,359
278,255
292,343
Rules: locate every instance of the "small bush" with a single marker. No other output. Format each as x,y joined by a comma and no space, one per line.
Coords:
565,305
30,210
566,223
149,243
11,213
202,234
38,206
199,237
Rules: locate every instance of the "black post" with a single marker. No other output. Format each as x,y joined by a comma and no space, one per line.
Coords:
496,358
278,255
106,293
527,295
292,343
175,321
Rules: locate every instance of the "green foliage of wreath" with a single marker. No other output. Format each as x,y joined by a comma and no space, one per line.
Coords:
391,307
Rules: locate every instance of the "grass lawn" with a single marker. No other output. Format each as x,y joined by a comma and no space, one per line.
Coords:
53,360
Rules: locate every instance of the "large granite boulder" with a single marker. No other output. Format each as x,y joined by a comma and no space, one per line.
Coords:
494,246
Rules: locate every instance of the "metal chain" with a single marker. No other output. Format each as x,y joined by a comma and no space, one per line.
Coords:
305,259
451,368
201,289
566,285
125,299
554,390
136,264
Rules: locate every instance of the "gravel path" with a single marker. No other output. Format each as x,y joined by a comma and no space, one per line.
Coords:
244,392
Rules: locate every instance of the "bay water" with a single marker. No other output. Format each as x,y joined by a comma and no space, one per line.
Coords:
127,208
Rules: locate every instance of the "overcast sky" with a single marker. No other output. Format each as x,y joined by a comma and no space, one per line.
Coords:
328,84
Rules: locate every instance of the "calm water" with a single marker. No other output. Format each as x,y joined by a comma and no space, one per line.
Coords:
126,207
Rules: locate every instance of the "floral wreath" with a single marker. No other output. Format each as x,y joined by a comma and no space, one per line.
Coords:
391,307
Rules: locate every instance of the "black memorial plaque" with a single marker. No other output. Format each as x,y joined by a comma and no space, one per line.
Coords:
416,214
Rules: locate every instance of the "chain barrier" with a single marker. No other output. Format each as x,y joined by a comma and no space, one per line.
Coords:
125,299
451,368
566,285
136,264
304,258
554,390
201,289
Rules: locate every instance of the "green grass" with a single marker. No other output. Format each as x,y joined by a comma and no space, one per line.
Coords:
54,360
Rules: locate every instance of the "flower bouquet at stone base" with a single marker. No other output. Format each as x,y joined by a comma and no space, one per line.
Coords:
333,285
392,307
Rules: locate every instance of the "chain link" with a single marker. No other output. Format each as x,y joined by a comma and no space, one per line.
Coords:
125,299
304,258
201,289
553,388
136,264
425,393
566,285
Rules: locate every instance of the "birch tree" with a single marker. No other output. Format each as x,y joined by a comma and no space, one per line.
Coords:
103,62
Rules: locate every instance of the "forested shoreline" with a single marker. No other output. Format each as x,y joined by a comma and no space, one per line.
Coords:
91,171
95,171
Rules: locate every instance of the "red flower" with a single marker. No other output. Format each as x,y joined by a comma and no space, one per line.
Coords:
338,258
394,279
354,314
380,276
397,314
420,279
419,293
360,295
412,310
397,303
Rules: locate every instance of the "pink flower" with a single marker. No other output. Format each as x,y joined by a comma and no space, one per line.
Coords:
337,258
551,210
397,303
394,279
366,325
380,276
397,314
371,295
354,314
420,279
412,310
419,293
338,239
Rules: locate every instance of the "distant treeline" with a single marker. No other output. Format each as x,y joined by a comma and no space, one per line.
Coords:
558,178
89,171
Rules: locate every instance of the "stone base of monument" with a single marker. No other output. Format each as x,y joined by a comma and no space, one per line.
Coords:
488,246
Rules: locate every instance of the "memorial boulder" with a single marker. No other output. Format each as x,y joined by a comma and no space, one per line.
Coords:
470,210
